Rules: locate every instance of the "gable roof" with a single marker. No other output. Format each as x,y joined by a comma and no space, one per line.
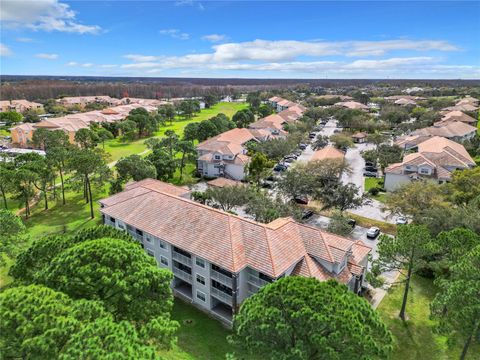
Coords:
328,152
227,240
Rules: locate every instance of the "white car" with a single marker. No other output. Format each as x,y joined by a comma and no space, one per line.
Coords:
373,232
401,221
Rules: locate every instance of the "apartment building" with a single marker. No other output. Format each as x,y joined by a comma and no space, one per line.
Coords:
219,259
352,105
275,123
70,124
280,104
435,160
454,130
19,106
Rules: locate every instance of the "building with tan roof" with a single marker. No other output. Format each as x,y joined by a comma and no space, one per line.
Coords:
82,101
464,107
225,155
468,100
352,105
280,104
359,137
70,124
219,259
275,123
405,102
328,152
19,106
435,160
457,115
453,130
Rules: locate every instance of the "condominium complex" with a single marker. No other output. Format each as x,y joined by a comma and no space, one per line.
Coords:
219,259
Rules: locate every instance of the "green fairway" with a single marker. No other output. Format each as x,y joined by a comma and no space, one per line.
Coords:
416,339
118,149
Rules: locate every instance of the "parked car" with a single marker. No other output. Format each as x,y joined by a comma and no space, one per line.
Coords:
267,184
369,163
371,169
302,146
369,174
323,122
292,156
312,135
336,131
303,200
289,160
298,152
306,214
352,222
280,167
317,127
401,221
373,232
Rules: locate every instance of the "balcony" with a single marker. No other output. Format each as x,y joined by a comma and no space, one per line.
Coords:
220,295
110,223
221,278
182,274
252,279
182,258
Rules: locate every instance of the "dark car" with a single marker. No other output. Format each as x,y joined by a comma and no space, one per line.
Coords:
352,222
336,131
371,168
267,184
302,146
369,174
291,156
280,167
303,200
373,232
306,214
369,163
312,135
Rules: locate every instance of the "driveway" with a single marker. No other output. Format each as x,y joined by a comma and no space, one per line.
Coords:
327,130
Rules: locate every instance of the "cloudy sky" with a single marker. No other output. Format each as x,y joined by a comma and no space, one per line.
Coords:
271,39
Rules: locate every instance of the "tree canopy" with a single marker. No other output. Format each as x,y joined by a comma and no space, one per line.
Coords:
303,318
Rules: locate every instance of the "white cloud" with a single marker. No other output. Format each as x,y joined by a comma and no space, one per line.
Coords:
175,33
214,37
391,63
5,50
140,58
24,40
46,15
47,56
85,65
189,3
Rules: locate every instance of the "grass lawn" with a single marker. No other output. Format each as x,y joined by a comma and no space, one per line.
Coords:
415,339
72,216
367,222
202,339
118,149
373,183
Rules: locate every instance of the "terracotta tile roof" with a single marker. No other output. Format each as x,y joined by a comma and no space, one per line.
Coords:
223,182
440,154
328,152
405,102
352,105
461,107
447,129
230,142
360,135
468,100
457,115
224,239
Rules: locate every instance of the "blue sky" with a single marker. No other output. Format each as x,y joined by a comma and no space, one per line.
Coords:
286,39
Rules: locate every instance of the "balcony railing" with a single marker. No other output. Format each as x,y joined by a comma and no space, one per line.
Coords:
135,235
182,274
182,258
220,295
257,281
221,278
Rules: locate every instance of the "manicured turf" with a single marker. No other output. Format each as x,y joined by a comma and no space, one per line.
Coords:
199,337
367,222
372,183
118,149
416,339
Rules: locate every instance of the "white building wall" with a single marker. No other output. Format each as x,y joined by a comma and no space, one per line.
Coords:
395,181
197,286
235,171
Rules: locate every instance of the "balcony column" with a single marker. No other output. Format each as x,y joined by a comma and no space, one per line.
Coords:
234,293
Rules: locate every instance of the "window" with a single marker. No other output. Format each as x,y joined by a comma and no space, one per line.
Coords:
164,260
112,219
424,171
218,157
200,279
163,245
150,253
201,296
139,232
148,238
200,262
121,226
